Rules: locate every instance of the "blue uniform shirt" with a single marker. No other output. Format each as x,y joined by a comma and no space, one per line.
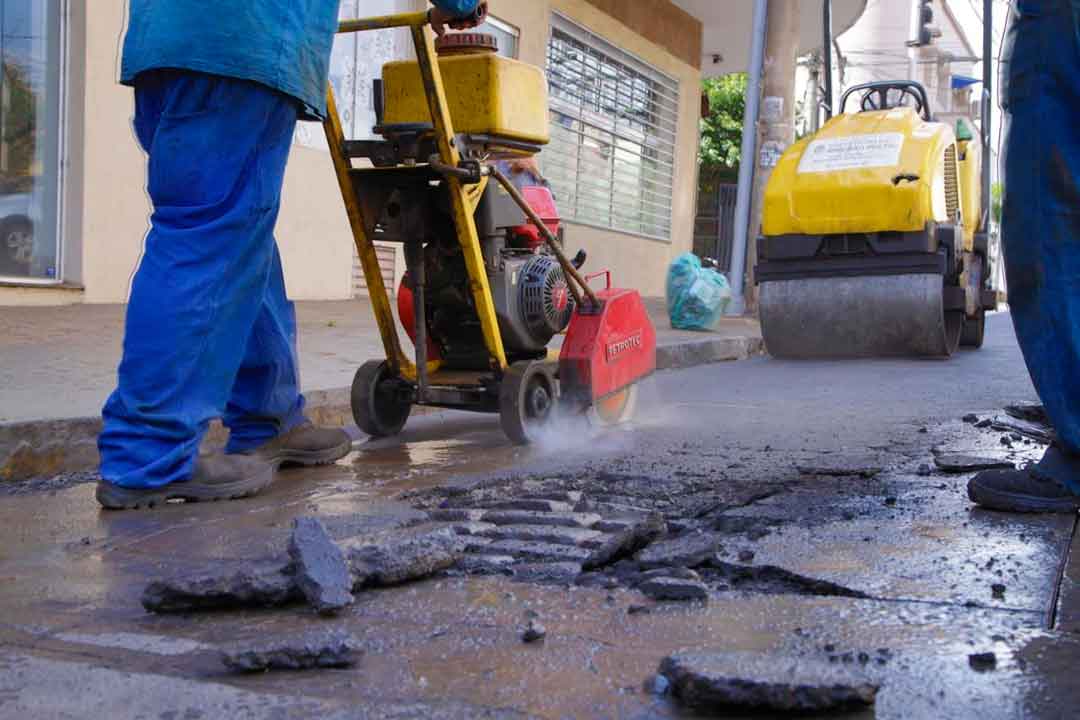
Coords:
284,44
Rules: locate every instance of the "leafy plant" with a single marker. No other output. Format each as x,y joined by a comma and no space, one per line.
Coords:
997,194
721,131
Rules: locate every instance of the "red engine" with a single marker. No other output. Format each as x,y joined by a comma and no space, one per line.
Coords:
542,201
530,293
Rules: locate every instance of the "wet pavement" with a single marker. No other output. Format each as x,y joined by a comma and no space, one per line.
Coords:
895,574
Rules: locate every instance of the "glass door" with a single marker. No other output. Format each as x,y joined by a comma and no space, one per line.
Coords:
32,56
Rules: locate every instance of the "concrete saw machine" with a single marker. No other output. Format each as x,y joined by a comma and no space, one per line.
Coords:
874,236
488,286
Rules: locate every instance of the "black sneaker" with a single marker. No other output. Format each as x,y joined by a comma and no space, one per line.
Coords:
1021,491
307,445
216,477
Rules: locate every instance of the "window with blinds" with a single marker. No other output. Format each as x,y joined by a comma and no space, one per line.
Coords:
611,159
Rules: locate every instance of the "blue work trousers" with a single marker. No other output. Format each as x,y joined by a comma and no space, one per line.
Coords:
209,331
1041,222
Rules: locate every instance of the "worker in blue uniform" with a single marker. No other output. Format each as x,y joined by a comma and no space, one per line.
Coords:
1041,239
219,87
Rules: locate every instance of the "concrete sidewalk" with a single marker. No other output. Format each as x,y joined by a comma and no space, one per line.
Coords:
58,365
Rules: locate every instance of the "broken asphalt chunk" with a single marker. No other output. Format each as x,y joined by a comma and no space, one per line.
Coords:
487,565
770,579
1035,431
715,681
321,570
554,534
560,573
1030,413
533,632
684,551
535,505
532,551
241,587
403,555
664,589
982,662
455,515
528,517
625,542
970,463
843,467
306,652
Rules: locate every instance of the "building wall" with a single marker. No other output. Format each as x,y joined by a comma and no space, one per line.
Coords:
637,262
108,210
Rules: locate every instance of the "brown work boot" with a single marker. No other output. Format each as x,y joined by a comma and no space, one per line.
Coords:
215,477
307,445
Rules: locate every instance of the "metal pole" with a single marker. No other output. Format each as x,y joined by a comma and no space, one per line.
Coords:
737,272
987,106
827,54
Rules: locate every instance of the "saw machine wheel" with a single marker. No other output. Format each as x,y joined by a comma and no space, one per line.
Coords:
378,406
528,396
615,409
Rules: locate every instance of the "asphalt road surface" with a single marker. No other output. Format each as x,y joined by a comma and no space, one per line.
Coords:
835,540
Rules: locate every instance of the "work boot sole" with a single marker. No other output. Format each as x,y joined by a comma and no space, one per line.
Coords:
991,499
309,458
115,497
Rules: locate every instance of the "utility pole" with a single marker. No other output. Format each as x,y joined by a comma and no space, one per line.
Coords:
743,218
815,92
776,126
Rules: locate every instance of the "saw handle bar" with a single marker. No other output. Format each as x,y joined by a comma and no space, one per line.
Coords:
409,20
473,171
603,274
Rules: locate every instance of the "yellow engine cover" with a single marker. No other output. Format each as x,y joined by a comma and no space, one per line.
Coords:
875,171
487,94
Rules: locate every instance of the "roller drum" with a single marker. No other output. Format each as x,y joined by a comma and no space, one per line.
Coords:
868,316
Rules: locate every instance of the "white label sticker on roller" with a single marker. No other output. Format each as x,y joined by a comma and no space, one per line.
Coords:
851,153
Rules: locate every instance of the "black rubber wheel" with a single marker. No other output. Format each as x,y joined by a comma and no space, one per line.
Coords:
377,404
528,396
954,328
974,331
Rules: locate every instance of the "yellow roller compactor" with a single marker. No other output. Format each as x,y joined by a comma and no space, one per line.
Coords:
874,235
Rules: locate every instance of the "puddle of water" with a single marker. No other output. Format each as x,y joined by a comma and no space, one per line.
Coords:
153,644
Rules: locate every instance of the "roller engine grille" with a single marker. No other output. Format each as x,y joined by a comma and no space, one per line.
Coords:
952,185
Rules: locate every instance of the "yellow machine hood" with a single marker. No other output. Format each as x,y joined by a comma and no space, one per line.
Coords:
875,171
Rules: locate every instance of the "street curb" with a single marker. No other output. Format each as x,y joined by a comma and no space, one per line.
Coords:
45,448
706,351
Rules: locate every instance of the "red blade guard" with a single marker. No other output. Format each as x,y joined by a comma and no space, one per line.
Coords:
607,348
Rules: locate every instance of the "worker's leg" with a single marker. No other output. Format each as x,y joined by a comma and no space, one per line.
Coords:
266,399
217,151
1041,239
265,414
1041,231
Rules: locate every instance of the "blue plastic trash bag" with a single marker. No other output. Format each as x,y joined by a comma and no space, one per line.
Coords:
697,296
